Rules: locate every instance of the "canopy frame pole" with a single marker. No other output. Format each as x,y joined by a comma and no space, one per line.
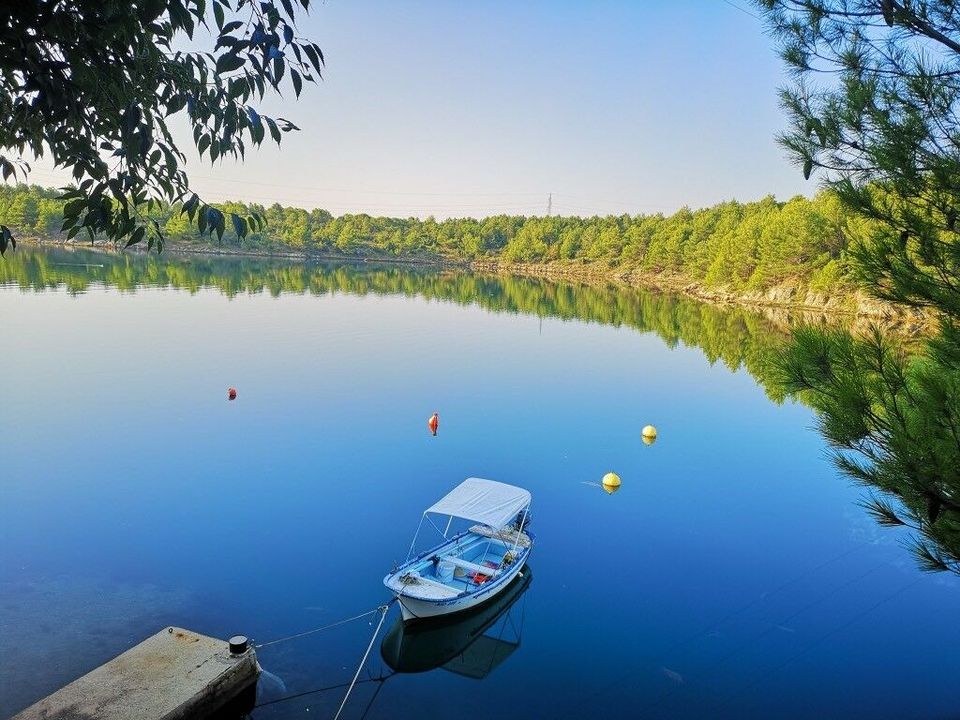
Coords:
447,528
414,541
516,539
427,516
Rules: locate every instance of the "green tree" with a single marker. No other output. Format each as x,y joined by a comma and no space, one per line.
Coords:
49,217
529,245
94,83
873,109
736,246
21,212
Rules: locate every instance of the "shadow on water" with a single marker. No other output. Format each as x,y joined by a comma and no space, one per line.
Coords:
471,644
459,643
738,337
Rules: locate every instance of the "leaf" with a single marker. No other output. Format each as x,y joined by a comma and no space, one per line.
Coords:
236,88
218,14
73,208
239,225
274,130
176,104
314,56
216,221
256,126
136,237
807,168
228,61
882,512
6,239
150,10
288,33
190,206
297,82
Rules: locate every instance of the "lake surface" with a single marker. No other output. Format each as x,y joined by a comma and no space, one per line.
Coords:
733,575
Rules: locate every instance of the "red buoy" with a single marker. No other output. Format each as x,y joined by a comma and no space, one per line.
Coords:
232,393
433,423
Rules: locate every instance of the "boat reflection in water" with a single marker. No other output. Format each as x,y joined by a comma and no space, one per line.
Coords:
457,642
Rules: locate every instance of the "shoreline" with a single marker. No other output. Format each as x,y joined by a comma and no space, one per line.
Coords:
782,304
776,302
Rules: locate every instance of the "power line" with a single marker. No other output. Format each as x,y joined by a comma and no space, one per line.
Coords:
309,196
359,191
743,10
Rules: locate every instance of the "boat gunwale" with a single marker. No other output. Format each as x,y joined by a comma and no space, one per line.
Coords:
519,561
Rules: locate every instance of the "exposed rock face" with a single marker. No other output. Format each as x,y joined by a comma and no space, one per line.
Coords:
786,304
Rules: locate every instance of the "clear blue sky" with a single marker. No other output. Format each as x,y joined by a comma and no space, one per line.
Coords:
454,109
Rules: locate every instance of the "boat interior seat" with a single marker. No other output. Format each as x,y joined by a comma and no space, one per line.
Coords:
472,567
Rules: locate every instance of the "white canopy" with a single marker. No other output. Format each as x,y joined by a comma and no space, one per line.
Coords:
487,502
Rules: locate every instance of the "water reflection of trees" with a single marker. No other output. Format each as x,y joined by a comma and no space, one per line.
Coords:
737,337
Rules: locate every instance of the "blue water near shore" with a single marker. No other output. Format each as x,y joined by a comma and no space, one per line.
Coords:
733,575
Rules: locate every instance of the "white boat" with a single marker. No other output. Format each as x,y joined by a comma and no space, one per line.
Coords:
471,643
470,567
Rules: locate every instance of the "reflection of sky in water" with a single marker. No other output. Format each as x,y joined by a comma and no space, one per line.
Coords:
127,475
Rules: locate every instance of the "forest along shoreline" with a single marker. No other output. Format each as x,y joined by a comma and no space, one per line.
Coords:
785,304
778,257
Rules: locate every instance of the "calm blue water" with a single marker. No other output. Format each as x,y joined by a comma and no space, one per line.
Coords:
733,575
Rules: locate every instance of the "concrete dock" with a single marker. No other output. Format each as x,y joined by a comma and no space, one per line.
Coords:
173,675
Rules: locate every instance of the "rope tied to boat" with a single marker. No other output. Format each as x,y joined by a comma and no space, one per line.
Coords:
327,627
363,660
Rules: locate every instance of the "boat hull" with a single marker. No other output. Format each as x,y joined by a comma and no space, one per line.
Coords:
414,647
413,609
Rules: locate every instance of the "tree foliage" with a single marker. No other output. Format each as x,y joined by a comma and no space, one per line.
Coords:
873,110
94,84
749,246
894,422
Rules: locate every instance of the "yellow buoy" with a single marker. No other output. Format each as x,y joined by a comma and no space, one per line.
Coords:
649,434
611,481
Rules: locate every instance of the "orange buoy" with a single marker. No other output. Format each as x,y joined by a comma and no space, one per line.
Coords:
231,393
433,423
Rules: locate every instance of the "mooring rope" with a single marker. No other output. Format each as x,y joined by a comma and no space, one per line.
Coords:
363,660
320,629
326,688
